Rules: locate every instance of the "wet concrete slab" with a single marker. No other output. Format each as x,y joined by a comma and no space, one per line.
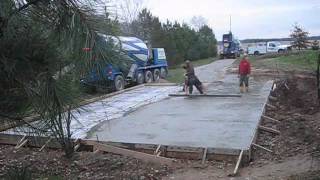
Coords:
195,122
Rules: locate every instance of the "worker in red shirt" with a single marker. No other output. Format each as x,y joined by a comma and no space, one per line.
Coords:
244,72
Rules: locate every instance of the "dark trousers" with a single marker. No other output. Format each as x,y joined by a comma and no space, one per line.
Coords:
244,79
193,80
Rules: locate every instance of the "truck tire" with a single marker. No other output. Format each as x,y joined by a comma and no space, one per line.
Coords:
140,78
256,53
148,77
163,73
119,83
280,51
156,75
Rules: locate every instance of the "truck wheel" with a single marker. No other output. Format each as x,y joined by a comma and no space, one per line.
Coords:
148,77
256,53
140,78
280,51
156,75
119,83
163,73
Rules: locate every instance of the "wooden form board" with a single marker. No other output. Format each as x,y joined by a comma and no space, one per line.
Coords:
205,95
182,152
178,152
135,154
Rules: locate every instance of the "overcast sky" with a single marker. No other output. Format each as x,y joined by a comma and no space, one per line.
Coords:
250,18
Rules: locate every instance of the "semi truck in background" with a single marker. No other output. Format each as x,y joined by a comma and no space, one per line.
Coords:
231,46
267,47
143,64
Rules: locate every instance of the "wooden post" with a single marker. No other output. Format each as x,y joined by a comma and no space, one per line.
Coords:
45,144
205,150
261,147
269,130
271,106
271,119
157,150
21,140
22,144
238,163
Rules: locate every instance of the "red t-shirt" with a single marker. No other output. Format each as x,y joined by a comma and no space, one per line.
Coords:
244,67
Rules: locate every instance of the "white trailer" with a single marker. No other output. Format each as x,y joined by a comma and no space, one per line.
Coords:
267,47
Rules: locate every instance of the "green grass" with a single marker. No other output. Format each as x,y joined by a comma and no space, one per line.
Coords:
176,72
295,61
303,61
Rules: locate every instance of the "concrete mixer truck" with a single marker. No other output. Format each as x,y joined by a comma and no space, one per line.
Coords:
143,65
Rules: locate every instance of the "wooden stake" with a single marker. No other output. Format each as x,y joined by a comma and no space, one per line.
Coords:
269,130
47,142
157,150
271,106
271,119
76,147
135,154
261,147
285,84
238,163
159,153
21,140
22,144
272,98
204,156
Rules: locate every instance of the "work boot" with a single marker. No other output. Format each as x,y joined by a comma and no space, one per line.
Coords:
246,89
241,89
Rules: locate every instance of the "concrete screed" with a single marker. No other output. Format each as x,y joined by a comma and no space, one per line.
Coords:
195,122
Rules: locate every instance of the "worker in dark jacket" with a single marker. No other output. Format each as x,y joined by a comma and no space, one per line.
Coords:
244,72
191,79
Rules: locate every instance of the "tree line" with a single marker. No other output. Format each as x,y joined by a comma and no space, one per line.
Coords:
180,41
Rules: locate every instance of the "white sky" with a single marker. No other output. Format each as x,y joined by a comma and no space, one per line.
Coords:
250,18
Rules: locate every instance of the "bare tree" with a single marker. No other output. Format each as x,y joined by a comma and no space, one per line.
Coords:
299,36
198,22
128,11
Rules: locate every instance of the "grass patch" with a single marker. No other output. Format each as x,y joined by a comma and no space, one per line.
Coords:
295,61
303,61
176,72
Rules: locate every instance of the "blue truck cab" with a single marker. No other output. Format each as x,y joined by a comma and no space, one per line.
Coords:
231,46
145,65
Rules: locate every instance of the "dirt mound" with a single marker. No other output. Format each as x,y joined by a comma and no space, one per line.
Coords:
298,111
298,94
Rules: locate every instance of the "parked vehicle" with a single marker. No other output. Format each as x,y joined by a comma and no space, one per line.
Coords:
143,65
231,46
268,47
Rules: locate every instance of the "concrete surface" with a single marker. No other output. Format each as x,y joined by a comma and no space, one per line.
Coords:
195,122
89,116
